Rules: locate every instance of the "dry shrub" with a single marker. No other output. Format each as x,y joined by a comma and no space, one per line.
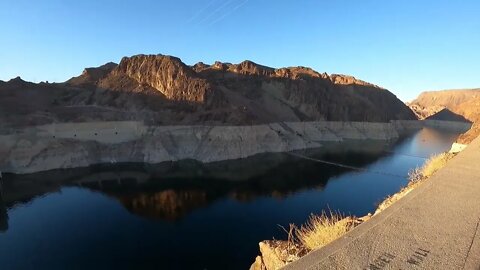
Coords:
435,163
323,229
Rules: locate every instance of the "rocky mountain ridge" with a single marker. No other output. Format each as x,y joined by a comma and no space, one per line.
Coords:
164,90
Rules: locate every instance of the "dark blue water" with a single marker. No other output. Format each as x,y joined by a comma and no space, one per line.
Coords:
186,215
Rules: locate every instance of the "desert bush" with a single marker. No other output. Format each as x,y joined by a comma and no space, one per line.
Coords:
323,229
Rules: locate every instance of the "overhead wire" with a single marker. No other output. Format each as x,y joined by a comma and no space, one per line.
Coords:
346,166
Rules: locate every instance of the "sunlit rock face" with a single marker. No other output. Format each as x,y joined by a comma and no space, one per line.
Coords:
458,101
451,105
167,74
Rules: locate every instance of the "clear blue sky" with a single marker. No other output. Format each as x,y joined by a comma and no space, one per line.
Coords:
404,46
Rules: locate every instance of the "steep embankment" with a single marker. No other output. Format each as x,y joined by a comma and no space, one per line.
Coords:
451,105
163,90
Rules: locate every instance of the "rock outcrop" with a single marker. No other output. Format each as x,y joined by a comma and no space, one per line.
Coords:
275,254
166,74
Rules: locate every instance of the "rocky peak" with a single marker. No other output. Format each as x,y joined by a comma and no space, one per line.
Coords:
251,68
151,64
298,72
101,70
220,66
17,82
17,79
347,80
167,74
200,66
91,76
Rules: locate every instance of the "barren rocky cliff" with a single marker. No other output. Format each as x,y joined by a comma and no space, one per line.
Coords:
451,105
155,108
431,102
163,90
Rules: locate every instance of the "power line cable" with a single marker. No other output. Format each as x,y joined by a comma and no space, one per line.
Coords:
403,154
346,166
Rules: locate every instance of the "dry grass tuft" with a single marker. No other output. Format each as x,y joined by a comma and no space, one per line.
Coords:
416,177
323,229
435,163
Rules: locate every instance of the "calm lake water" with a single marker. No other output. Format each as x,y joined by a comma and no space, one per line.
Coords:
185,215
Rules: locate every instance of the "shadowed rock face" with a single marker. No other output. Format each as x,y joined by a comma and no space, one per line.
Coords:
447,115
91,76
164,90
300,93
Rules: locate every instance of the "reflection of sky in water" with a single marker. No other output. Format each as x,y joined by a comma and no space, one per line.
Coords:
80,228
428,141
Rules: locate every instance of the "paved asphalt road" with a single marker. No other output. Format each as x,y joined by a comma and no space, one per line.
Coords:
436,226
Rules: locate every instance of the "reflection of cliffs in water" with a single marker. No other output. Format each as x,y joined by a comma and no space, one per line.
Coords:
171,190
167,204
